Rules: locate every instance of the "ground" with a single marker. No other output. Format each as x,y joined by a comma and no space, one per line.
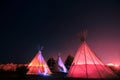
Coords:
58,76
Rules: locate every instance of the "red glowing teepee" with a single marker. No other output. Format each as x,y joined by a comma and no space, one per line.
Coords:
87,65
38,65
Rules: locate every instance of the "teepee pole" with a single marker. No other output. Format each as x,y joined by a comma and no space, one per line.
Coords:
95,65
86,64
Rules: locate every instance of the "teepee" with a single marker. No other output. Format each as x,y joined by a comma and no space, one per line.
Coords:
87,65
38,65
61,66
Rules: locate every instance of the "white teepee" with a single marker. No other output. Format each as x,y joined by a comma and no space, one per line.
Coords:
87,65
38,65
61,66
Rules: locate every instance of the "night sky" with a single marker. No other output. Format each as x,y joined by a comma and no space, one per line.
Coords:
25,25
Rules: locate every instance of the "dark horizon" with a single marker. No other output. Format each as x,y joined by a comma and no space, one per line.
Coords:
25,25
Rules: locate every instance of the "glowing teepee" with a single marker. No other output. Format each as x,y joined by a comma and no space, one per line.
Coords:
87,65
38,65
61,66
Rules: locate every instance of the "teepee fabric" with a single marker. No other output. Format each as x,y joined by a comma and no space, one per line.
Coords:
87,65
61,66
38,65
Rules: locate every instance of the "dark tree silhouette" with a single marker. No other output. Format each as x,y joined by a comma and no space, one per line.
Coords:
52,65
69,61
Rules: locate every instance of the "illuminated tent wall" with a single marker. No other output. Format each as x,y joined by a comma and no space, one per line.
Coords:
87,65
38,65
61,66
